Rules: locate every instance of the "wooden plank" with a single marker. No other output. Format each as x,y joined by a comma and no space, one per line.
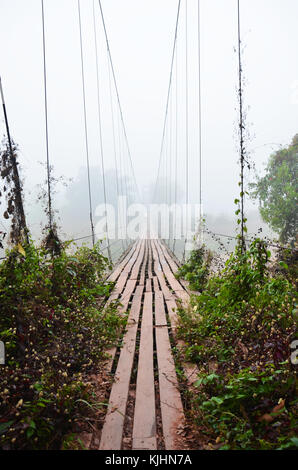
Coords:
149,270
136,268
144,265
120,284
174,283
123,283
184,296
170,400
160,314
129,288
172,309
190,370
125,297
128,285
158,271
144,426
113,297
129,265
111,437
149,260
173,265
163,285
118,269
144,443
155,283
148,285
177,286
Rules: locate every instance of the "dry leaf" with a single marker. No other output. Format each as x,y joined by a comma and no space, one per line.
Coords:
268,418
21,250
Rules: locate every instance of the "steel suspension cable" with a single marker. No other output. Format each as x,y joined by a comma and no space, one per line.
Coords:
122,153
113,135
85,124
118,96
170,147
241,128
100,131
127,183
186,124
50,213
122,182
200,116
176,149
170,162
186,106
118,166
166,161
168,97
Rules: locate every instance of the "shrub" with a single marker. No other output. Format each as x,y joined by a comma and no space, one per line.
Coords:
197,268
55,331
240,328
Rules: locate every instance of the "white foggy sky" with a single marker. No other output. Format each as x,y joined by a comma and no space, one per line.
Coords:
141,37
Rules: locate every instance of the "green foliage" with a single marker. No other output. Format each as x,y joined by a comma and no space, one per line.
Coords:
55,331
225,402
238,331
197,268
277,192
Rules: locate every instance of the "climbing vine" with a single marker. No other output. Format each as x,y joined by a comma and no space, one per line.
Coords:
12,192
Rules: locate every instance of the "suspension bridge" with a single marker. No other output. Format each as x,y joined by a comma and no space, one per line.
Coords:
145,405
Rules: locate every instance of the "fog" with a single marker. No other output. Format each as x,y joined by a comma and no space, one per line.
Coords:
141,35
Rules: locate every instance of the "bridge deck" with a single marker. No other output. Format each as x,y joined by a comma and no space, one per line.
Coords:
148,290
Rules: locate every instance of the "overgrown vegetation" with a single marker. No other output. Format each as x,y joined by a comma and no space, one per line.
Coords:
55,331
196,269
277,192
11,190
239,332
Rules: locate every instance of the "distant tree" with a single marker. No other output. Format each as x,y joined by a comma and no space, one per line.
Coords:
277,192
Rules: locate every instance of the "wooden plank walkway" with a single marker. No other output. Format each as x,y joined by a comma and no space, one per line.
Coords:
147,288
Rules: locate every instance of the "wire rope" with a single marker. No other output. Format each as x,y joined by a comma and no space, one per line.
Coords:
100,130
85,123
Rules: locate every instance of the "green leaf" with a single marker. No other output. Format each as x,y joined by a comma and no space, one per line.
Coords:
30,432
283,265
211,377
32,424
217,400
5,426
198,383
294,440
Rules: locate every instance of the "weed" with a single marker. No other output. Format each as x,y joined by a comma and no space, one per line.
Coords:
238,331
55,332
